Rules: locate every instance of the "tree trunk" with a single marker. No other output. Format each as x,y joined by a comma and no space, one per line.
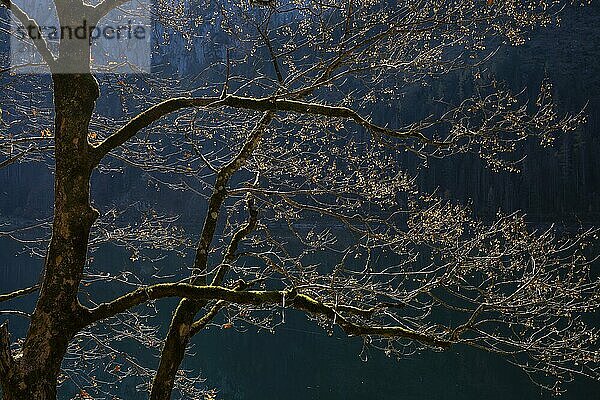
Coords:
174,348
179,334
57,315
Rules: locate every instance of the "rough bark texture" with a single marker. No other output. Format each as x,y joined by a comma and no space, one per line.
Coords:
58,312
57,317
180,329
502,276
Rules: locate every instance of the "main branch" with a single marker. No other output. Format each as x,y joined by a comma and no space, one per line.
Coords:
28,22
258,298
160,110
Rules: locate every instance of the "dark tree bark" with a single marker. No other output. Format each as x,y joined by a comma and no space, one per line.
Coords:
58,313
180,329
362,306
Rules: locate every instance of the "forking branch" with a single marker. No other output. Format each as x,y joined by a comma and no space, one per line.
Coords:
31,25
257,298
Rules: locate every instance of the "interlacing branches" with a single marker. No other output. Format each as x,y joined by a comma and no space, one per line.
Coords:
278,173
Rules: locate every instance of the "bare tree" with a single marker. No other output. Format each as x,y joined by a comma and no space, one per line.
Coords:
311,205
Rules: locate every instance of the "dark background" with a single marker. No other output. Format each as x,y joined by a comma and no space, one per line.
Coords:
300,361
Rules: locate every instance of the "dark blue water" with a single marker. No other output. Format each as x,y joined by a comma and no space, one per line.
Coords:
300,361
